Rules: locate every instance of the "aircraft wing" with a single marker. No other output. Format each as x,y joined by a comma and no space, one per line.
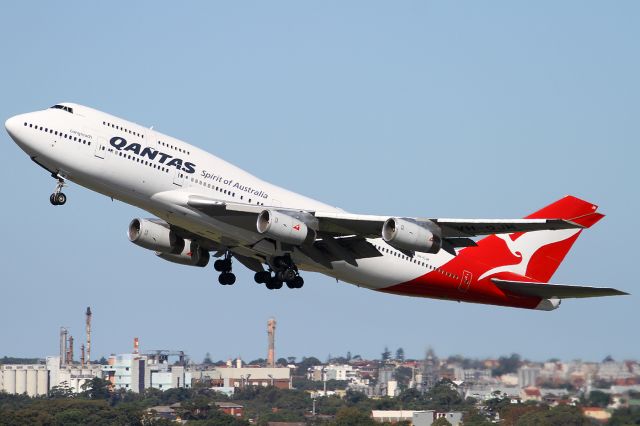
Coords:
370,226
548,291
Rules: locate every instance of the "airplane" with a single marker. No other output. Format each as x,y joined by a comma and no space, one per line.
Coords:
203,205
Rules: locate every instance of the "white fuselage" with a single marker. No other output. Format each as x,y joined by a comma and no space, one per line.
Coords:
106,154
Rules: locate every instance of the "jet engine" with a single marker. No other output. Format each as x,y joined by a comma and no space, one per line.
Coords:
154,236
403,234
191,255
283,227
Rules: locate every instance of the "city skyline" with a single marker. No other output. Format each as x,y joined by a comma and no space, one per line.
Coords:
438,110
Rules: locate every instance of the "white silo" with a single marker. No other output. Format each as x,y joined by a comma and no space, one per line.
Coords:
32,381
43,381
10,380
21,380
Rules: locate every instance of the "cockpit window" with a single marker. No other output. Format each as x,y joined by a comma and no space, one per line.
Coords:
62,107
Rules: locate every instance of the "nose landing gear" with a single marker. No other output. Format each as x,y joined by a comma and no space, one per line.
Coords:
58,198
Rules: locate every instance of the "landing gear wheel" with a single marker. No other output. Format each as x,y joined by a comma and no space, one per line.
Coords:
222,265
60,199
286,275
227,278
262,277
297,282
273,283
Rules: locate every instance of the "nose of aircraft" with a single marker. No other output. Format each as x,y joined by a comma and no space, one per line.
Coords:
12,125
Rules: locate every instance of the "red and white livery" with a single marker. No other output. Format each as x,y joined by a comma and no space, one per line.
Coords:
204,205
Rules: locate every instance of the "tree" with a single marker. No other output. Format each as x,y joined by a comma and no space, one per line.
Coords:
386,354
475,418
403,376
291,359
207,359
507,365
307,363
351,416
282,361
625,416
444,395
561,415
355,397
96,388
63,390
599,399
441,422
400,354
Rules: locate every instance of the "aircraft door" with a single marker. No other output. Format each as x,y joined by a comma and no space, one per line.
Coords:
465,281
179,178
100,147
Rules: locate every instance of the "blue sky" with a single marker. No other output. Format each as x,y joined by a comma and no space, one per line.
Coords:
450,109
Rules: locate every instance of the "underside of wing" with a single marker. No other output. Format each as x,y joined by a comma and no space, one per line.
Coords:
549,291
452,228
370,226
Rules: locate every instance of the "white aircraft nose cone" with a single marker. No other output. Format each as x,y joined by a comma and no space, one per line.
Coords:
12,125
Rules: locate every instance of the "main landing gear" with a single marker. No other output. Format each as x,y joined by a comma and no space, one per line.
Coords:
282,270
224,267
58,198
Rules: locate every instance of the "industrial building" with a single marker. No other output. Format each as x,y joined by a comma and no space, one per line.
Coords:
136,372
225,377
19,379
39,379
416,418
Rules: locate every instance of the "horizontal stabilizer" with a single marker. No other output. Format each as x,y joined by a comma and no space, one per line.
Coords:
548,291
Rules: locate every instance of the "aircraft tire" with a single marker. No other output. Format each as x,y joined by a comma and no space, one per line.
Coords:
262,277
60,198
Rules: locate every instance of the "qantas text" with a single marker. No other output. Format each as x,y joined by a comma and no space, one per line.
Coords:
121,144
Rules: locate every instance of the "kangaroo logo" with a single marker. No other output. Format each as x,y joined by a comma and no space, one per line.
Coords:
525,246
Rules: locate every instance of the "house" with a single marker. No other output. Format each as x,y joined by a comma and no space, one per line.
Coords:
599,414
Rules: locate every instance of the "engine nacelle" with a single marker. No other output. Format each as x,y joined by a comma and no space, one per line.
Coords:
403,234
549,304
191,255
153,236
283,227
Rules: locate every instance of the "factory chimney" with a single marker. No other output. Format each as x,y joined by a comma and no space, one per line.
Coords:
63,346
88,314
70,351
136,345
271,332
82,355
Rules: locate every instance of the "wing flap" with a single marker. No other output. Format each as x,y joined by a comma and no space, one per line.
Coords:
548,291
452,228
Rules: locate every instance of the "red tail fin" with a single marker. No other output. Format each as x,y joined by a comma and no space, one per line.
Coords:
536,255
